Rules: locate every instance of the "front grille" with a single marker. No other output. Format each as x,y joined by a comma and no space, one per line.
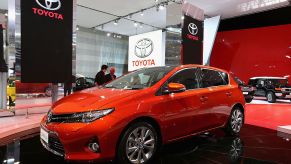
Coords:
55,144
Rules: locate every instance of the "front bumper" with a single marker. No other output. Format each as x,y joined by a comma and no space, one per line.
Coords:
71,140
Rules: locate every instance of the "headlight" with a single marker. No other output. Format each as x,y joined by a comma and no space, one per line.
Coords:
85,117
94,115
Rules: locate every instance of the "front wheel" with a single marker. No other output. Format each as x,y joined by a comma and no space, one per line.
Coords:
138,144
235,122
271,97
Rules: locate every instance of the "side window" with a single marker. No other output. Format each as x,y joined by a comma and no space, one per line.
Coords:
210,78
186,77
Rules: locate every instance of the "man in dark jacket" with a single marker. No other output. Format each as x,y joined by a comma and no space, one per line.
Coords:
111,76
100,76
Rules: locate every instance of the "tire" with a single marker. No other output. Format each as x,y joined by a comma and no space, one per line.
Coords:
271,98
235,122
132,145
48,92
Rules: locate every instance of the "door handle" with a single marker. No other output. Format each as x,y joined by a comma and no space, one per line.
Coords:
228,94
203,98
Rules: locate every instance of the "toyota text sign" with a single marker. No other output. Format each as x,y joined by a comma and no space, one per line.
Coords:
46,41
146,50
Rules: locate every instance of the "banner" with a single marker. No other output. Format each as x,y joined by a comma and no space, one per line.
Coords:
3,65
46,41
146,50
192,41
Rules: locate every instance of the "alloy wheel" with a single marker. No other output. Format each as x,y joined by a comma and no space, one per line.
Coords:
236,120
269,96
140,145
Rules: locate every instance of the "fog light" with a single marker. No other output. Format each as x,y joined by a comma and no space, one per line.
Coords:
94,146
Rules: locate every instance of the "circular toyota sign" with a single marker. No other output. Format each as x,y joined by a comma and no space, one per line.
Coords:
144,48
193,29
49,4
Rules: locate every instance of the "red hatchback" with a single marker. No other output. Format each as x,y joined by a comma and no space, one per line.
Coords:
130,118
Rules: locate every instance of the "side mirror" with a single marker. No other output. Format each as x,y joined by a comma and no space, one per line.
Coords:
175,88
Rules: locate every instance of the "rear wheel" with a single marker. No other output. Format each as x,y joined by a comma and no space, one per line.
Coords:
138,144
271,97
235,122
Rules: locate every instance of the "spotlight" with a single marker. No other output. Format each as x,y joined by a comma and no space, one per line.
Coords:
161,7
108,34
141,13
183,17
158,8
77,28
135,24
6,14
115,22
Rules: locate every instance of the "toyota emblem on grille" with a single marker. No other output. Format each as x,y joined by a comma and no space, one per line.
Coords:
49,4
144,48
49,117
193,29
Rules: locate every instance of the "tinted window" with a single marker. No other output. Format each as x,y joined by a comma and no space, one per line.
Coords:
186,77
211,78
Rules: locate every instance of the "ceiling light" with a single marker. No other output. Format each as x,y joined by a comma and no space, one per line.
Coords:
6,14
77,28
161,7
158,8
108,34
183,17
141,13
156,0
135,24
115,22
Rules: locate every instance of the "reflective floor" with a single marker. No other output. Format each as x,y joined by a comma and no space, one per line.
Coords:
255,145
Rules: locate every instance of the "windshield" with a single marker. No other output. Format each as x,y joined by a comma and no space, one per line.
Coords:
140,79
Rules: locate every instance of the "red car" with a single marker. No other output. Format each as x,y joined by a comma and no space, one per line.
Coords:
24,88
130,118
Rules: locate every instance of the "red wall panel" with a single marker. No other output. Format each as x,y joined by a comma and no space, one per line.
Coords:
264,51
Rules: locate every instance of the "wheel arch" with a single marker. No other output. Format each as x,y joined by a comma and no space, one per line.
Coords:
239,105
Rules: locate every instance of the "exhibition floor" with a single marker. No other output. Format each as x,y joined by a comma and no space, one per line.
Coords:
255,145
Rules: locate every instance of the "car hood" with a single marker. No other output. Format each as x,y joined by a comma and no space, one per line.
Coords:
90,99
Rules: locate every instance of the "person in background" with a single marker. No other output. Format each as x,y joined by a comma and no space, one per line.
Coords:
100,76
111,76
68,86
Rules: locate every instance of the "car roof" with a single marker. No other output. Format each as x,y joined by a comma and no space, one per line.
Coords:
268,77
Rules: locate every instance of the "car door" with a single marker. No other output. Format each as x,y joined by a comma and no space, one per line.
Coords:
217,94
180,108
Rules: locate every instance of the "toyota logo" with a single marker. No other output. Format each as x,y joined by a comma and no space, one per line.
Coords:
193,29
144,48
49,4
49,117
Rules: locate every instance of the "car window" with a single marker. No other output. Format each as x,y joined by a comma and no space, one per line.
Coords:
210,78
187,77
140,79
